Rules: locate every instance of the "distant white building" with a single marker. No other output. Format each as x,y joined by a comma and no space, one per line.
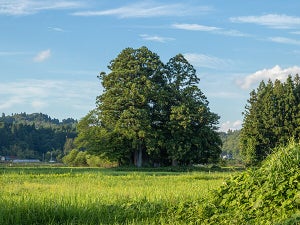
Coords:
26,161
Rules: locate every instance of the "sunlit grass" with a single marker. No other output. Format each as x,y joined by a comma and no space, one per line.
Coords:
97,196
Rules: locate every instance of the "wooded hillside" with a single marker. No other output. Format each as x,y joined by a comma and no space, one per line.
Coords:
34,135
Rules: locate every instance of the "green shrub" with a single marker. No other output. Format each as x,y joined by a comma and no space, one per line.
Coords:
268,195
80,159
69,158
97,161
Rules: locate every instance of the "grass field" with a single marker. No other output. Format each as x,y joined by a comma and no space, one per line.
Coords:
56,195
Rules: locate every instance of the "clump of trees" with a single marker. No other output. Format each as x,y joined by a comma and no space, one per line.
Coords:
271,118
151,113
82,158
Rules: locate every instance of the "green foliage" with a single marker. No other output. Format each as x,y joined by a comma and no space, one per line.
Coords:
231,143
69,159
150,112
96,161
33,135
268,195
271,119
75,158
81,158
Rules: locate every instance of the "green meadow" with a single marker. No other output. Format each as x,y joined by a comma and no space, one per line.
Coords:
56,195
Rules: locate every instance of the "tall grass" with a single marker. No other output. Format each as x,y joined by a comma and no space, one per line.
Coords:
97,196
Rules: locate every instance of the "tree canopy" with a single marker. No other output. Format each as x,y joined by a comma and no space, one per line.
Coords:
271,118
151,113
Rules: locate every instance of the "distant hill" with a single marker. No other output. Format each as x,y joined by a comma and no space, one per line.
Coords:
35,136
230,142
39,119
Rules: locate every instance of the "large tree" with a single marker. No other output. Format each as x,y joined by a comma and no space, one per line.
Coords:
126,102
271,118
191,127
151,111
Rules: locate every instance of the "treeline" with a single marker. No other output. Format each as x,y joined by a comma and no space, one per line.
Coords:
271,118
35,136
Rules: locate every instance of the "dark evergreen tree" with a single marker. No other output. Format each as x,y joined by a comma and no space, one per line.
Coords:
271,118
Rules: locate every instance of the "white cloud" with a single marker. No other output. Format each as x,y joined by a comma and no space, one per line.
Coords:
270,20
61,97
295,32
274,73
42,56
156,38
232,33
201,60
211,29
38,104
228,125
147,9
194,27
27,7
10,102
284,40
57,29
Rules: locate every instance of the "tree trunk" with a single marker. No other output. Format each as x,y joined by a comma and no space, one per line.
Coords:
174,162
138,156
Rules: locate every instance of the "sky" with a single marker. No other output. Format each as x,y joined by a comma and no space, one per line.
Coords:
51,51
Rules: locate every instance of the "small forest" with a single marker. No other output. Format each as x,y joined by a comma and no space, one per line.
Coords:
35,136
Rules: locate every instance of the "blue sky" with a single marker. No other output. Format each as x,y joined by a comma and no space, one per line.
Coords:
51,51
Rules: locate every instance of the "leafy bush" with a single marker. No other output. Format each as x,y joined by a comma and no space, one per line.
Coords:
80,158
268,195
70,158
97,161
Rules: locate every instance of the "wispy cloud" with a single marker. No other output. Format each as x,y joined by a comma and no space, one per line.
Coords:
156,38
57,29
284,40
231,125
295,32
233,33
270,20
27,7
195,27
147,9
60,97
42,56
274,73
201,60
204,28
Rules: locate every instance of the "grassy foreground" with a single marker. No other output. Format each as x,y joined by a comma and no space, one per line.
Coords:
101,196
